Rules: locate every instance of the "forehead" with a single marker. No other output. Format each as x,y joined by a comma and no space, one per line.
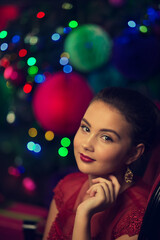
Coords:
104,115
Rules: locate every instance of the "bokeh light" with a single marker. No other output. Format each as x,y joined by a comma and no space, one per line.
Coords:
4,46
73,24
65,142
29,184
3,34
22,52
40,14
11,117
49,135
31,61
55,36
32,132
39,78
27,88
63,152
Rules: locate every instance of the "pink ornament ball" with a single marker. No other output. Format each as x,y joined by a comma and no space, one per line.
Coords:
60,102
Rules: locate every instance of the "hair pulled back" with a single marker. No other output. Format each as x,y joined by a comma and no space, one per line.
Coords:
141,113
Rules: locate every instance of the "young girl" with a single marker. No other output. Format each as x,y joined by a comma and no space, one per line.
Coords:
106,200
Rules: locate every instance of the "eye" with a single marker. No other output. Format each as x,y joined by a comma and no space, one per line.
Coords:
107,138
85,128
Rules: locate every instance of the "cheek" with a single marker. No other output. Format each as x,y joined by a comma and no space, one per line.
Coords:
76,140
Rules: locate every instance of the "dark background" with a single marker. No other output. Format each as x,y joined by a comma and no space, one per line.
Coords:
134,63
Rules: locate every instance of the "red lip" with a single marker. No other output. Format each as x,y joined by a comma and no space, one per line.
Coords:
84,158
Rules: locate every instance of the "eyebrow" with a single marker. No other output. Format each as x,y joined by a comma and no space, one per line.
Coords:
103,129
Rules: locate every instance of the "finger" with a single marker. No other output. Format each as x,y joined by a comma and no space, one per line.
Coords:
110,185
97,189
116,184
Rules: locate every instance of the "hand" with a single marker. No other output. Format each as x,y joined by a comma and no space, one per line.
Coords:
102,194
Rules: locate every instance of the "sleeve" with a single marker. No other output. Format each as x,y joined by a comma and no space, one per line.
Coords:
130,223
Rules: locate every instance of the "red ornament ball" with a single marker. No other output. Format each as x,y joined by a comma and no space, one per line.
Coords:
60,102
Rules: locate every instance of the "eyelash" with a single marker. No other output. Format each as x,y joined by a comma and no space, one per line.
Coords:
86,129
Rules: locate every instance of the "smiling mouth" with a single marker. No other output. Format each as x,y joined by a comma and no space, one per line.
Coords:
85,158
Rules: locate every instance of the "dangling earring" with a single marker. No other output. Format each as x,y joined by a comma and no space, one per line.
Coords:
128,177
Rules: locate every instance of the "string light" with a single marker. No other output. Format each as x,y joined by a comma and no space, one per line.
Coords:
39,78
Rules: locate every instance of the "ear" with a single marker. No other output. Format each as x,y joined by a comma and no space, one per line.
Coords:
136,153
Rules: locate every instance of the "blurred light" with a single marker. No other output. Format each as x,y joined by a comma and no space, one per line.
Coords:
32,132
67,69
67,30
65,142
63,152
13,171
4,62
4,46
21,169
73,24
49,135
29,184
11,117
33,40
22,52
15,39
32,70
63,61
131,24
27,88
143,29
67,6
65,54
37,148
31,61
40,14
59,30
3,34
55,36
8,72
31,146
39,78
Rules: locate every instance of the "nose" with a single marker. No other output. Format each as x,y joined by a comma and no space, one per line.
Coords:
88,144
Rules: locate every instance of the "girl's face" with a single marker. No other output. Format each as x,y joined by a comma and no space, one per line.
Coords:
102,143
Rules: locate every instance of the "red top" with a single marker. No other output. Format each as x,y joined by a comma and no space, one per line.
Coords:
123,217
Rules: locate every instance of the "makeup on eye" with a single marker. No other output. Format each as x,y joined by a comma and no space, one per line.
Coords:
87,126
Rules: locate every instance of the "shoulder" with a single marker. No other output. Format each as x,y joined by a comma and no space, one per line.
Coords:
130,218
67,187
130,222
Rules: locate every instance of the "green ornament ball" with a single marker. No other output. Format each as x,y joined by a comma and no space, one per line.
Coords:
89,47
